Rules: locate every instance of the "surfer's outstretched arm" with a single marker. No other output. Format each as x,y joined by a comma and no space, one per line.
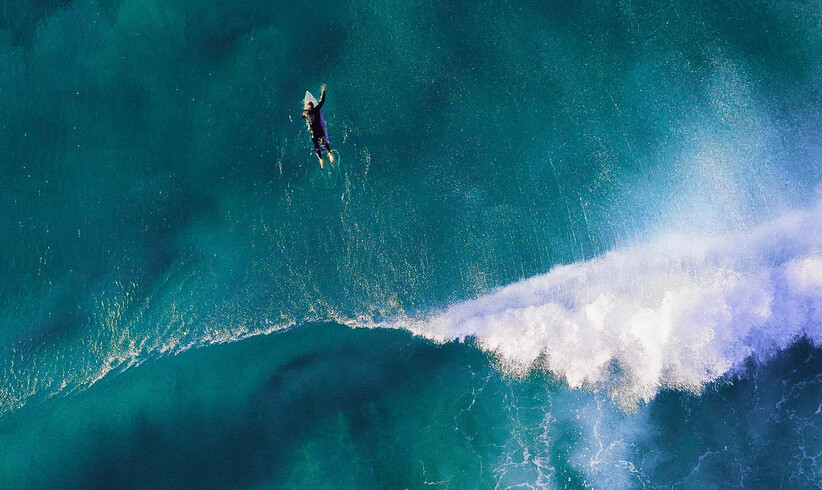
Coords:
322,97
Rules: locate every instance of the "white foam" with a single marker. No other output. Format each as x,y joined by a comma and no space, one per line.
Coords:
679,312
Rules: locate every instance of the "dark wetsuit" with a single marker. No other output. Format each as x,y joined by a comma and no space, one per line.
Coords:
316,126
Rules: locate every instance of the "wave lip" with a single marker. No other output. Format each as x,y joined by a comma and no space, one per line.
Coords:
679,312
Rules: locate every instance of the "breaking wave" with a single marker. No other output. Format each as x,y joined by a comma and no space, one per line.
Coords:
678,312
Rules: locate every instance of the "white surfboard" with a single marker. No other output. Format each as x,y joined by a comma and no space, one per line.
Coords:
309,98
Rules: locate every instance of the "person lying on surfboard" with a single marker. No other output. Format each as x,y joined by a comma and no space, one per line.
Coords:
316,126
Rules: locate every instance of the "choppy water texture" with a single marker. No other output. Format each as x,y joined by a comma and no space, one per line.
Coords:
598,221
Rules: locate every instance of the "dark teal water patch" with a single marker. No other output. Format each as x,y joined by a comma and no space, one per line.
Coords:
320,404
757,430
326,406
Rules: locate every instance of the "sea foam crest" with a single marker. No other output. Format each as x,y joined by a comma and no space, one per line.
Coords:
676,313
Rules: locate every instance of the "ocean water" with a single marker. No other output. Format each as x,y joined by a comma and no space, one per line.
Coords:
568,244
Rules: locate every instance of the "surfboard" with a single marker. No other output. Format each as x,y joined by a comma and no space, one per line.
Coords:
308,98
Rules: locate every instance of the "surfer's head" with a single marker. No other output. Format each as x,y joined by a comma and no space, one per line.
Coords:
310,105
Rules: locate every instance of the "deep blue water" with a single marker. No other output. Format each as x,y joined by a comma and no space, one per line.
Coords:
567,244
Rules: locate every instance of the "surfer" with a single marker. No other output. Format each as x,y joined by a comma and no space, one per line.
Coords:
316,126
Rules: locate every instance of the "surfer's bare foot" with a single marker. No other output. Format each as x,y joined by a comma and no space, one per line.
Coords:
322,164
331,157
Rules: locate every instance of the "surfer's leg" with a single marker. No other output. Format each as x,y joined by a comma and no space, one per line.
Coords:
319,152
327,147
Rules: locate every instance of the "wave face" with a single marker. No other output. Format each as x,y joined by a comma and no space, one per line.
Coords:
678,313
620,193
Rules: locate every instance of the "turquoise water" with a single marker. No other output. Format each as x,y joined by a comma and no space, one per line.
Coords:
571,244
